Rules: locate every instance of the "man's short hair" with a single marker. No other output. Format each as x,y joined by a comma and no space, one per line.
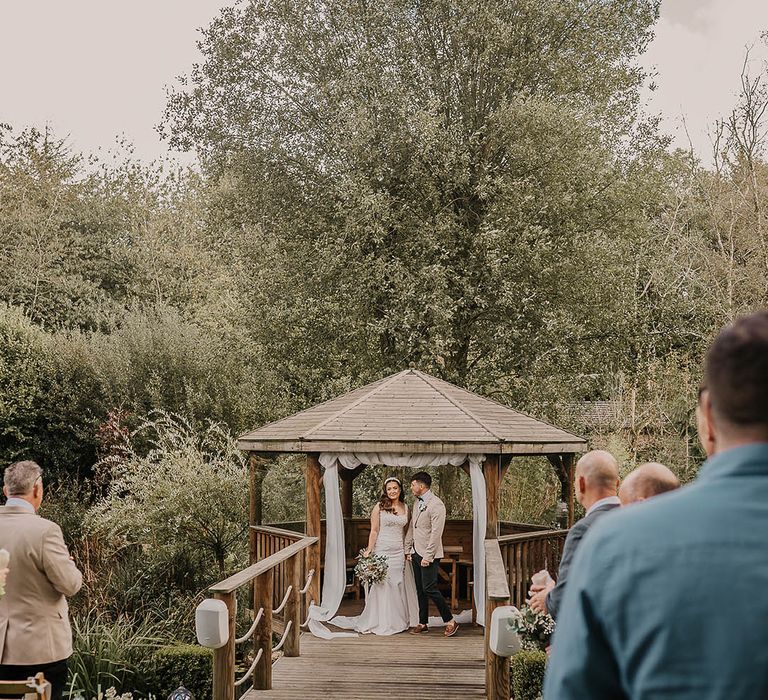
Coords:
736,374
424,478
20,477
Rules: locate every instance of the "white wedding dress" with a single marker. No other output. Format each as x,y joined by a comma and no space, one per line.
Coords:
390,606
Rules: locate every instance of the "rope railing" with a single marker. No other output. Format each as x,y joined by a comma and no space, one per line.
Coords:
279,645
252,628
283,566
250,671
306,622
310,576
280,607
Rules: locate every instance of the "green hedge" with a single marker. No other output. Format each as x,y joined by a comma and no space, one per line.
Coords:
183,664
527,674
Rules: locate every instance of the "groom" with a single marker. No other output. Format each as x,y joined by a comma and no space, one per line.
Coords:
423,548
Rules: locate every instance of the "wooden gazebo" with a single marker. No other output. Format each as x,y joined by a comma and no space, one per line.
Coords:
407,414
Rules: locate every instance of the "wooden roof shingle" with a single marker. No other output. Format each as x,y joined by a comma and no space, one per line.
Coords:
413,412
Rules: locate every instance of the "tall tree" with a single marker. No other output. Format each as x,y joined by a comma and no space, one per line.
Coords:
442,182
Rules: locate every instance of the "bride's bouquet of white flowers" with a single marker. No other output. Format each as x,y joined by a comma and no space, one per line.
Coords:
371,568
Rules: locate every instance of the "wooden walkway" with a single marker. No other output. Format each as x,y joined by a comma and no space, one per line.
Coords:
425,666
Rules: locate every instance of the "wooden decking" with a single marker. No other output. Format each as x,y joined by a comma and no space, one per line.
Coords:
405,666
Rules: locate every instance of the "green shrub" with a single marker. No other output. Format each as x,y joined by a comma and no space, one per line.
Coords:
527,677
109,652
183,664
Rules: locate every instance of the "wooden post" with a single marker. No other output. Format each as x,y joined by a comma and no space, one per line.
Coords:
347,477
497,587
224,657
257,470
346,498
570,470
346,512
262,636
564,468
492,475
293,606
313,479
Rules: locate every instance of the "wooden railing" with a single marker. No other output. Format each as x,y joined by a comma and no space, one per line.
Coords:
525,554
272,540
285,568
497,594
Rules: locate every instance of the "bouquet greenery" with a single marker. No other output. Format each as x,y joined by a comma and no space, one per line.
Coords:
371,568
535,629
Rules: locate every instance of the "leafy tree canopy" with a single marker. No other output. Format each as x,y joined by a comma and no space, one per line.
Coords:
455,184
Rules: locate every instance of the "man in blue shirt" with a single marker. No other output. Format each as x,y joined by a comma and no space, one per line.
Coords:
669,598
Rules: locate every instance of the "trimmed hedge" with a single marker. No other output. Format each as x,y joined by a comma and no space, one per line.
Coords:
183,664
527,674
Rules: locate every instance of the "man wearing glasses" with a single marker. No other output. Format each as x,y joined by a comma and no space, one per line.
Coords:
34,622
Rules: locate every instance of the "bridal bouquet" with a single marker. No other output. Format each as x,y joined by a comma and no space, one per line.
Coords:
535,629
371,569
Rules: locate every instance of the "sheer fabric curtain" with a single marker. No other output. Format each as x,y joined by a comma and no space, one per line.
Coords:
335,559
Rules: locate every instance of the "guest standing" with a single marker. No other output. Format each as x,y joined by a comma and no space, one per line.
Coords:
667,599
648,480
34,622
596,480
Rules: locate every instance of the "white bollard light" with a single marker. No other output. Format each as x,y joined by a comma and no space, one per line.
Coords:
212,623
503,638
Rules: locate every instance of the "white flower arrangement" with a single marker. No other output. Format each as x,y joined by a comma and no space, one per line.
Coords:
371,569
535,628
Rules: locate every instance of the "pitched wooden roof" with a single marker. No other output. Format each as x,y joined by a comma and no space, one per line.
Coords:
411,412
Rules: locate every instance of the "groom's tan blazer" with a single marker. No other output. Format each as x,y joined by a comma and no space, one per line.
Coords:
34,616
425,531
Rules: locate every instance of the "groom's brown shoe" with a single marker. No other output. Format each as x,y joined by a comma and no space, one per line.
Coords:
418,629
450,631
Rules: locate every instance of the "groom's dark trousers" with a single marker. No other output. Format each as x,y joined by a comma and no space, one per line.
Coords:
426,589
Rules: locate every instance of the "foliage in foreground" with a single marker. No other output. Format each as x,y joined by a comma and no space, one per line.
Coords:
183,664
110,652
527,674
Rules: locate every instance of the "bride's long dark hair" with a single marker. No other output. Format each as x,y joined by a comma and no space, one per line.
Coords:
385,502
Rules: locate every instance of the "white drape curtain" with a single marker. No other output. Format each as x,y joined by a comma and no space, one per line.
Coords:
335,560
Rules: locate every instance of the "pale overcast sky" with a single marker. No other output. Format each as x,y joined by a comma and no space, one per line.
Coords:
97,69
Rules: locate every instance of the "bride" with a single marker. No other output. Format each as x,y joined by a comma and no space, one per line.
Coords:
390,606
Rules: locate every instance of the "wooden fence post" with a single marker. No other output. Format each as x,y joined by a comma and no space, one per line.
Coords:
224,657
492,473
293,606
497,587
262,636
313,477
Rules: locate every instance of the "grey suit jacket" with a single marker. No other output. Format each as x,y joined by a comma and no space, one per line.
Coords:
572,541
34,619
425,530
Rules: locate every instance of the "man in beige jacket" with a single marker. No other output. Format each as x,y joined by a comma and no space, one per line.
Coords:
34,623
424,548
